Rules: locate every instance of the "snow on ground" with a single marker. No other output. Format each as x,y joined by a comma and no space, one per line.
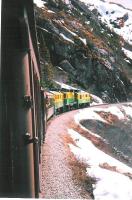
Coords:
127,53
96,100
74,34
91,114
127,60
112,12
128,111
87,114
83,40
39,3
112,182
50,11
66,38
118,187
65,86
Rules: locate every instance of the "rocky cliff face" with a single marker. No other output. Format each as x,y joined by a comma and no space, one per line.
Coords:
78,48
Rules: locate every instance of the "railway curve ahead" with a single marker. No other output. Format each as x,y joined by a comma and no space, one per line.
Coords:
60,171
57,173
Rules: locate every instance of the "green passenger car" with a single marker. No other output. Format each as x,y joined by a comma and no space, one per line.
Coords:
69,100
82,99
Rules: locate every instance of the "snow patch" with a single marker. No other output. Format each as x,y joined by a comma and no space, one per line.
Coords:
65,86
127,110
109,185
111,176
113,110
87,114
66,38
83,40
127,53
39,3
50,11
113,13
90,113
96,100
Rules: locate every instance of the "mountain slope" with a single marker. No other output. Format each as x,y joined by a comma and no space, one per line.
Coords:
78,45
115,16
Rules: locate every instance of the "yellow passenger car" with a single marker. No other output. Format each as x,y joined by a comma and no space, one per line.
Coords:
82,99
58,101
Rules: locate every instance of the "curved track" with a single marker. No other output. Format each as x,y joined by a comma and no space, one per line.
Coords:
57,175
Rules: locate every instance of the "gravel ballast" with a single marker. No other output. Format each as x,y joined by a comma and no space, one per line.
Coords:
57,180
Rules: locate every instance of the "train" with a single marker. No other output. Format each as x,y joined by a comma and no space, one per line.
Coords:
25,106
61,101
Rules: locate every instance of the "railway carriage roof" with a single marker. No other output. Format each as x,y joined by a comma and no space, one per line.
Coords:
55,92
82,92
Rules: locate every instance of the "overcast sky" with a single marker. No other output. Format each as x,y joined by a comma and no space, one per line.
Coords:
126,3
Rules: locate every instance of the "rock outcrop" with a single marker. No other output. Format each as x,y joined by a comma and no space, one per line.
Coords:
84,48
